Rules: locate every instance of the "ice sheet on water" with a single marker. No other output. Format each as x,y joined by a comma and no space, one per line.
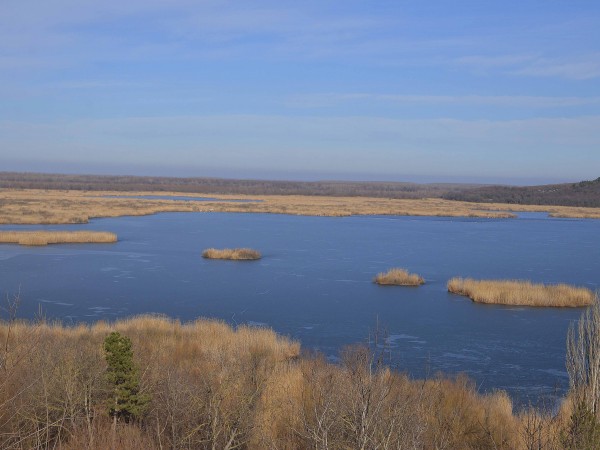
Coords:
394,339
352,281
464,357
555,372
43,300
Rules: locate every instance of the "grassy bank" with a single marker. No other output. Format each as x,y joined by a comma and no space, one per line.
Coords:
237,254
56,237
521,293
398,277
54,207
210,386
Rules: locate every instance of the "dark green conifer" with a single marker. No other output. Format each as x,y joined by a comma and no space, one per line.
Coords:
122,374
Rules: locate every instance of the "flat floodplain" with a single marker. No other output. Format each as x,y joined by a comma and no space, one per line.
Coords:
61,207
314,283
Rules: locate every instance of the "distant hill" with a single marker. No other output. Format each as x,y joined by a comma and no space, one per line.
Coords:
228,186
584,193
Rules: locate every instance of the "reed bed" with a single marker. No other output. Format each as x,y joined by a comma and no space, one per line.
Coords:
398,277
53,207
521,293
56,237
235,254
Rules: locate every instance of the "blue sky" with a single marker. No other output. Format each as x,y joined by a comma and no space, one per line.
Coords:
388,90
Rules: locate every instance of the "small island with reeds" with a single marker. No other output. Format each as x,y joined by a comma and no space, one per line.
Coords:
234,254
398,277
521,293
56,237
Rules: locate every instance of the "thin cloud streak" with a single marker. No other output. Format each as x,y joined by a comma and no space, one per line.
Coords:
522,101
583,67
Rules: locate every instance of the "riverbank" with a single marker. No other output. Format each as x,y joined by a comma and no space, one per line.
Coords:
64,207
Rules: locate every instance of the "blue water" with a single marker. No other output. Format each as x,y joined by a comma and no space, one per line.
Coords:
314,284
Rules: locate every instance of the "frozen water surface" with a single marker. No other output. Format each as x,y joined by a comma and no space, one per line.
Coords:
314,284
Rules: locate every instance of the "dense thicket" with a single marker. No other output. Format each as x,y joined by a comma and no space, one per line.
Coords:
225,186
207,386
585,193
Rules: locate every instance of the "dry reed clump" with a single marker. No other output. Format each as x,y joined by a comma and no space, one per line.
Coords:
56,237
521,293
237,254
398,277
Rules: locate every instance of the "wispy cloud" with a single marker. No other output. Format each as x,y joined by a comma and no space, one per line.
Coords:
582,67
515,101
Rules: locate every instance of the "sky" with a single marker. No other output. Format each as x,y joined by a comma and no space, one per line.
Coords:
457,91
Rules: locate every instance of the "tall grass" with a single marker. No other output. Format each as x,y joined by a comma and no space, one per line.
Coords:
231,253
56,237
521,293
51,207
212,386
398,277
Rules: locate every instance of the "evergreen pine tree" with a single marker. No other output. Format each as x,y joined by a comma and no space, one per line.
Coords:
128,403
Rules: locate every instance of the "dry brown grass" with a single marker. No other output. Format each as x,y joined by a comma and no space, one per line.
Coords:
56,237
237,254
398,277
52,207
521,293
211,386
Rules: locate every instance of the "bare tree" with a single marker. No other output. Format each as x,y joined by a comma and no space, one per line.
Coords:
583,359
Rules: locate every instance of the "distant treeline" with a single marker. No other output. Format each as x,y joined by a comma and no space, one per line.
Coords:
585,193
227,186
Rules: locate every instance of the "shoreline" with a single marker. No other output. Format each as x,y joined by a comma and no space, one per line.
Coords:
46,207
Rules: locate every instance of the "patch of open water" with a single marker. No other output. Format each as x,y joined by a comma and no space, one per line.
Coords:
314,284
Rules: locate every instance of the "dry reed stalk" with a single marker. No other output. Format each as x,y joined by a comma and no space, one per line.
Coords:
521,293
56,237
46,207
398,277
237,254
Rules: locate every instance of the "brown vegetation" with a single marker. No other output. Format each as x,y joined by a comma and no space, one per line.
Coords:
521,293
56,237
398,277
241,254
56,207
210,386
584,193
15,180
